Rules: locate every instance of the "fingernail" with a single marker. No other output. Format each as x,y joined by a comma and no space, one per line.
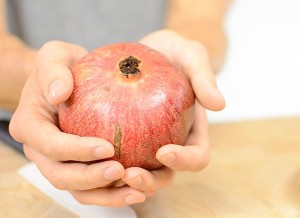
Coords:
132,199
103,152
168,159
56,88
111,173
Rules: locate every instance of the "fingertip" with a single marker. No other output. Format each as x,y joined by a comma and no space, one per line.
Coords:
13,127
53,62
105,150
184,158
107,144
114,172
215,102
102,152
58,92
168,159
167,154
222,102
209,96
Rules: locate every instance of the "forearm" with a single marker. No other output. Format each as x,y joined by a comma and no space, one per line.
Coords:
201,20
16,63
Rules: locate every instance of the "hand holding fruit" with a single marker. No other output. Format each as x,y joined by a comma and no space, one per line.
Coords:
192,57
35,124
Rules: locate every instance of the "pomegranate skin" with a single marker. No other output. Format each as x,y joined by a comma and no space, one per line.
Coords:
139,112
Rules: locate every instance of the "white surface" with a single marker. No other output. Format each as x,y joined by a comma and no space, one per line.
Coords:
31,173
261,77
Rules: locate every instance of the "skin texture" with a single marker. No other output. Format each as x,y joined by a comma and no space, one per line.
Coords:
48,82
139,112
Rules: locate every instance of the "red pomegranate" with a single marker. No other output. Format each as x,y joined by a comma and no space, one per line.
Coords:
133,97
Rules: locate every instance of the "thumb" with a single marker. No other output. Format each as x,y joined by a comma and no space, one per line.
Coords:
54,61
192,57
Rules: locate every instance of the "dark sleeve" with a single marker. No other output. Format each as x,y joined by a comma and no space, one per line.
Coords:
6,137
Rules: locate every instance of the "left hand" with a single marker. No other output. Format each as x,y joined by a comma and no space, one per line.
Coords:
192,57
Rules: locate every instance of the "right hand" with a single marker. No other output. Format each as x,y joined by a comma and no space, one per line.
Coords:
35,124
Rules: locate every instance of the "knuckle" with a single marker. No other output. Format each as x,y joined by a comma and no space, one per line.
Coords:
80,153
13,127
58,186
48,49
93,181
58,146
50,44
198,47
49,150
18,120
79,197
45,47
54,146
71,146
57,181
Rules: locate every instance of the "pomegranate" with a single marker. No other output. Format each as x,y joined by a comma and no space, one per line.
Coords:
133,97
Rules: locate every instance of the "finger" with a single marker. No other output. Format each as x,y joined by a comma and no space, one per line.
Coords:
148,181
199,131
54,60
191,56
76,176
184,158
196,154
47,139
197,67
115,184
111,197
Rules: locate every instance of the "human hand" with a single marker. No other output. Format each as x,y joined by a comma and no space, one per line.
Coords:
91,187
34,123
192,57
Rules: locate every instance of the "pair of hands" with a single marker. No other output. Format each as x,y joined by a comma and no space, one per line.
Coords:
107,183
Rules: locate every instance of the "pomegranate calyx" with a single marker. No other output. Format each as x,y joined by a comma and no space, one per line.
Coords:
129,65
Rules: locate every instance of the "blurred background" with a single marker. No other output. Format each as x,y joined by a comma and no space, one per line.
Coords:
261,77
